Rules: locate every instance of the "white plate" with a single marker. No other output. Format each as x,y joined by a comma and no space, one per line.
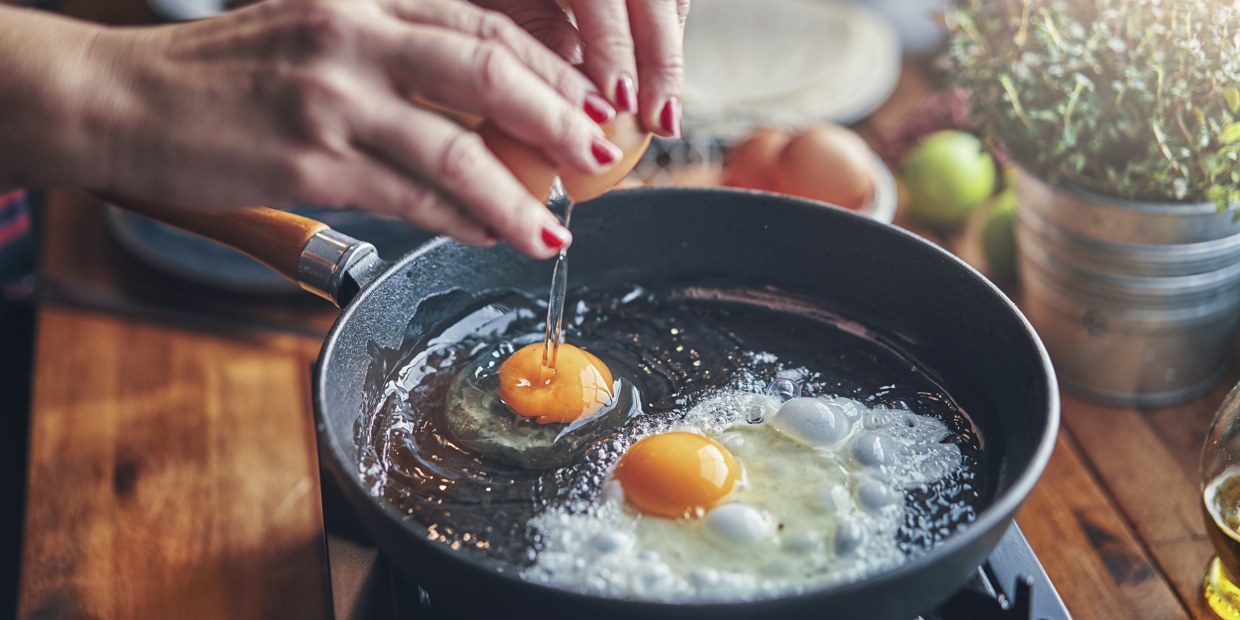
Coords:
751,63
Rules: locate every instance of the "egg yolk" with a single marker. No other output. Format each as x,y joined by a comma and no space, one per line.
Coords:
579,385
676,475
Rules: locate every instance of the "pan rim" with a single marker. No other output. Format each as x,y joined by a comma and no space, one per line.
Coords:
999,512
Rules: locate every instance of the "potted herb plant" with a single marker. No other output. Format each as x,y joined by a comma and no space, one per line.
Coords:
1123,117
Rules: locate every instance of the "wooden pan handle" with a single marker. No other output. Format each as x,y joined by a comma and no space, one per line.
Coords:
274,238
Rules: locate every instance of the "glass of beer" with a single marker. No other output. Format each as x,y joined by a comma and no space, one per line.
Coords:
1220,489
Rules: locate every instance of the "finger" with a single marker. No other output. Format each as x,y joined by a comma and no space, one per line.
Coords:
496,27
658,39
457,163
387,191
546,21
488,80
369,182
609,56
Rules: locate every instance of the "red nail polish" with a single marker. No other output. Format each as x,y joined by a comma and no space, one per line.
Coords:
604,152
556,239
598,109
626,94
669,117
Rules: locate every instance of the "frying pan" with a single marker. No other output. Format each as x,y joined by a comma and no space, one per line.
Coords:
941,313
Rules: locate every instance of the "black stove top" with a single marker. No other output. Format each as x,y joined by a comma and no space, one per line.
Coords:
1010,585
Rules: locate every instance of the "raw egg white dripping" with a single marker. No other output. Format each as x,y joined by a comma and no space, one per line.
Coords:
817,498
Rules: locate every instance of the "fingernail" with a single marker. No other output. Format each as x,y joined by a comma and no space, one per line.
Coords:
598,109
556,237
669,117
604,152
626,94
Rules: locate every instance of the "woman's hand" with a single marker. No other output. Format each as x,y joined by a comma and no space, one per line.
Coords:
308,101
634,49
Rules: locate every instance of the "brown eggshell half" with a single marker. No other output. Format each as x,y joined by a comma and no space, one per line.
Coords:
536,172
625,132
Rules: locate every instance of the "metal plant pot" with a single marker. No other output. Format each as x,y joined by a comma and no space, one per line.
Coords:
1137,302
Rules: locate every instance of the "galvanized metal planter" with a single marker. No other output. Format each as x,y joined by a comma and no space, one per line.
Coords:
1137,302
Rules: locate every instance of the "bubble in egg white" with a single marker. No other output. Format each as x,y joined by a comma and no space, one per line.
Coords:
764,403
611,541
811,422
851,409
876,495
738,524
784,389
755,414
874,449
849,535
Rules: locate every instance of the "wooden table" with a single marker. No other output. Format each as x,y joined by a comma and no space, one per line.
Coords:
173,471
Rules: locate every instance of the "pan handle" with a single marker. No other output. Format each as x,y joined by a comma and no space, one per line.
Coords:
274,238
327,263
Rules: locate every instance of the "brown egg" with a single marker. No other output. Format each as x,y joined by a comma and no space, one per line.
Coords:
827,163
750,164
527,163
625,132
536,172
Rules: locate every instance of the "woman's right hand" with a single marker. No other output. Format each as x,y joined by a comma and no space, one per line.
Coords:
309,101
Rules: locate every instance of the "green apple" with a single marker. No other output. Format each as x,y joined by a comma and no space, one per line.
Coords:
999,234
948,174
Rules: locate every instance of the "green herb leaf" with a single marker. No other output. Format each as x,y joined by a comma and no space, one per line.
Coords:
1231,134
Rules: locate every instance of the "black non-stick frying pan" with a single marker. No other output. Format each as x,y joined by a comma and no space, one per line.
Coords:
945,316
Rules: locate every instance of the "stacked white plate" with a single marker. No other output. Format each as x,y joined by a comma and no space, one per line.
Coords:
752,63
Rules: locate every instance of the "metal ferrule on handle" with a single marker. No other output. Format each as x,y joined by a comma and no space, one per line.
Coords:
331,265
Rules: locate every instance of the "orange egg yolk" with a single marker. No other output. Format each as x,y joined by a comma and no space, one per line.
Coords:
676,475
579,385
